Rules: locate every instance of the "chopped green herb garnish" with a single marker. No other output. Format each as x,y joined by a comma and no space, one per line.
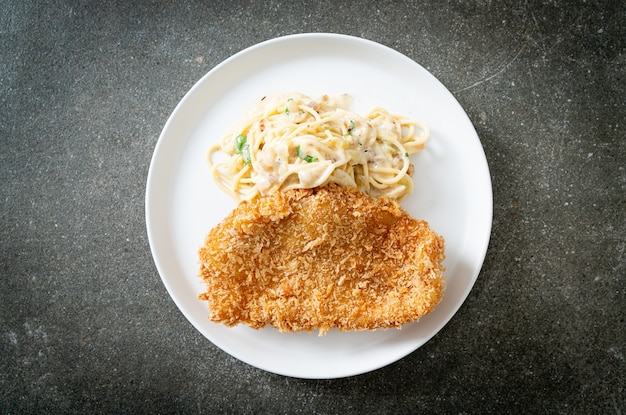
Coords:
287,106
240,141
305,157
351,127
406,154
245,153
241,147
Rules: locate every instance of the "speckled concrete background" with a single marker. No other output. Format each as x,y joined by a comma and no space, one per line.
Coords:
86,326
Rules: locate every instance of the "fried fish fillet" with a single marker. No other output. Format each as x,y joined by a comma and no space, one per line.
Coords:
323,258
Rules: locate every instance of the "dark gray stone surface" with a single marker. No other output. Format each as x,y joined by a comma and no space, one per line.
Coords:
86,326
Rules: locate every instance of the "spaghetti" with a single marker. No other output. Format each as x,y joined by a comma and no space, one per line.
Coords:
293,141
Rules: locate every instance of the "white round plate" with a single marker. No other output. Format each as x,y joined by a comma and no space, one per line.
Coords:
452,189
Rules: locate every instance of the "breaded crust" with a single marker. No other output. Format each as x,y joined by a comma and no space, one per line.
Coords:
320,259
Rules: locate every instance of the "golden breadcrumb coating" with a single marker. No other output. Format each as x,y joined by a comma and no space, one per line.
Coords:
322,258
